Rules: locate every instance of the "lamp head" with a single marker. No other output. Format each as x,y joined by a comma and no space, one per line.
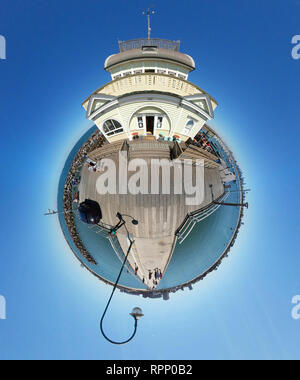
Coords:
90,212
137,313
119,216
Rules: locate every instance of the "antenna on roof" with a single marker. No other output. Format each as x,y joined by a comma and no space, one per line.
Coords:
148,12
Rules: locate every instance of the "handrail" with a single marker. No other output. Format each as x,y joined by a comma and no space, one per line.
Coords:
140,42
197,216
194,213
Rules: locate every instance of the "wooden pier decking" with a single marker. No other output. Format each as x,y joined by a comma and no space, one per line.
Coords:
159,215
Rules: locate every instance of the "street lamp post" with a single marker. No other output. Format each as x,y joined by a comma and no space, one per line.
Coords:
136,312
90,213
121,222
54,212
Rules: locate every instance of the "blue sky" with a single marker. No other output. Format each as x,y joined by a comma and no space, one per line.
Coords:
55,56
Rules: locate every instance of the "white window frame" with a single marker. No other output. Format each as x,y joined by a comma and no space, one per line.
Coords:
172,73
116,76
127,73
187,129
140,121
156,121
143,116
116,131
182,76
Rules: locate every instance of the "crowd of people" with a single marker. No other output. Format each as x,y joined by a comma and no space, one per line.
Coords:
201,141
157,276
71,193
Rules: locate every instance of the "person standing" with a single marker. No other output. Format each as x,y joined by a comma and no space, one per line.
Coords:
156,274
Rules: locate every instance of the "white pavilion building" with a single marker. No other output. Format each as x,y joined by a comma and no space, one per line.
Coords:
148,110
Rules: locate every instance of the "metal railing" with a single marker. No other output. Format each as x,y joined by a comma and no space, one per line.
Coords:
183,232
98,229
140,42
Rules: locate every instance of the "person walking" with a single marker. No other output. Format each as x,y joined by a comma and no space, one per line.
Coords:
156,274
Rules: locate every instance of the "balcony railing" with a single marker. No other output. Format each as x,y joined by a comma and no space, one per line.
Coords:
158,42
149,82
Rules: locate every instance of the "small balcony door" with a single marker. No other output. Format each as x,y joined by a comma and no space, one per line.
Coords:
150,124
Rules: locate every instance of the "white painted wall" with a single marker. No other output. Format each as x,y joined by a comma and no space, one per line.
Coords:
174,119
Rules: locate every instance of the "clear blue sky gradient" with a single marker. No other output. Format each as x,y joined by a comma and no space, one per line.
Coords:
55,55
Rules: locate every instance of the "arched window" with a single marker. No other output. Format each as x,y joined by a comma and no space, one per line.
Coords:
188,127
190,124
112,127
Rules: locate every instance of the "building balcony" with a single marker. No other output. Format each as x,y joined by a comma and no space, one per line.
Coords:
149,82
